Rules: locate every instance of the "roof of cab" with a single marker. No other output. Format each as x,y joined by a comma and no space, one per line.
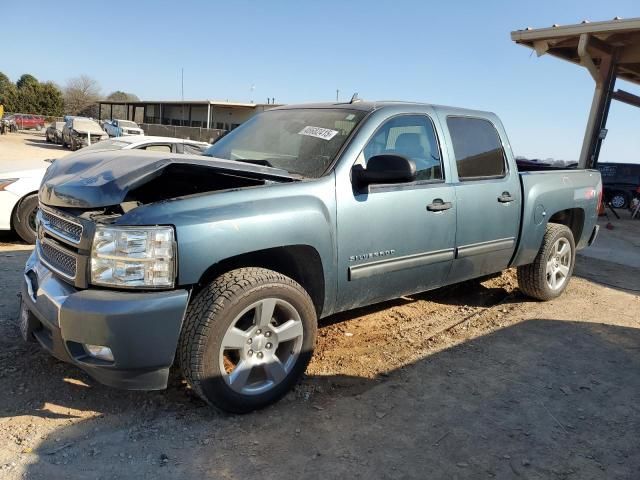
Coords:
369,106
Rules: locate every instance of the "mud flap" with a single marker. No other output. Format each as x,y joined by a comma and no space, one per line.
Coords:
27,322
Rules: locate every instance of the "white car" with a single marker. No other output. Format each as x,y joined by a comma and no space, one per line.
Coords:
121,128
19,188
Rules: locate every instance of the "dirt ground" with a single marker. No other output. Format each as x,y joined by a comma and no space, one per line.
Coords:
26,150
471,381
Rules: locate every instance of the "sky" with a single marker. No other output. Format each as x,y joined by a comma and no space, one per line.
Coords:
453,53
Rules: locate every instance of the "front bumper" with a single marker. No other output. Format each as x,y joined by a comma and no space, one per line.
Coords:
140,328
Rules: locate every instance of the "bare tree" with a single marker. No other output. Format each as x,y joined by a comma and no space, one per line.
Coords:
80,95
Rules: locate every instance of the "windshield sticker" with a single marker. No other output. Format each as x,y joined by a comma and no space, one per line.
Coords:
318,132
351,116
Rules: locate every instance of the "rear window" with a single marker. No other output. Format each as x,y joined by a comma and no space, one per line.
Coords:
477,148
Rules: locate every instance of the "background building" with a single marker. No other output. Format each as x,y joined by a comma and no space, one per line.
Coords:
209,114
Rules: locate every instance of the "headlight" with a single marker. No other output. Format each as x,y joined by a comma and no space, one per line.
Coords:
142,257
5,182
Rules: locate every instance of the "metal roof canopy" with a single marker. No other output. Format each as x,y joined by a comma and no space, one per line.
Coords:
608,50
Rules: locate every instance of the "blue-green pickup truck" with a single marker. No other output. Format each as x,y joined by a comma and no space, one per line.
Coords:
225,262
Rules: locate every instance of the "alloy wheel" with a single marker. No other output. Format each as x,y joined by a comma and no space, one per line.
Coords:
559,264
261,346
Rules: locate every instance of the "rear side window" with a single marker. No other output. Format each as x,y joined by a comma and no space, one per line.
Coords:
192,149
157,148
477,148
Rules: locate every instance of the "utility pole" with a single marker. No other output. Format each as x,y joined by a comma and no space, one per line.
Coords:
182,94
337,95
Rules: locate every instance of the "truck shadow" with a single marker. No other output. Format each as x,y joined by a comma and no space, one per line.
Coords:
472,293
608,274
541,398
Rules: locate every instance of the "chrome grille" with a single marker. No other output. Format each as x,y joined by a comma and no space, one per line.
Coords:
59,225
59,260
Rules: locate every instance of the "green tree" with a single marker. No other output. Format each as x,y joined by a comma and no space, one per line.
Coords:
31,96
25,80
49,100
6,91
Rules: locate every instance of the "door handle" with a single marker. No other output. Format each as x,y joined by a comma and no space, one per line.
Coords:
438,205
505,198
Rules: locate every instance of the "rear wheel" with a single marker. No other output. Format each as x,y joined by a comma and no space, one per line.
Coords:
247,339
548,276
24,218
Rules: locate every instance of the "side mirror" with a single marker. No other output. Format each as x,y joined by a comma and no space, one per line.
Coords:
386,168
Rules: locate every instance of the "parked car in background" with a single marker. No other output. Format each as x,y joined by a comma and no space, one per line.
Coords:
19,200
121,128
29,122
620,182
9,123
53,134
224,263
19,188
150,143
80,132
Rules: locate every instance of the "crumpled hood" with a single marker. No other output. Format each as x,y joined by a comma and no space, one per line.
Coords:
104,178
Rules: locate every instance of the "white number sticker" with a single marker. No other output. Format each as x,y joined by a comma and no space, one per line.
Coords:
318,132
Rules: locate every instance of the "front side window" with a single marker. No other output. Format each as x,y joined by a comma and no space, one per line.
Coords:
413,137
302,141
477,148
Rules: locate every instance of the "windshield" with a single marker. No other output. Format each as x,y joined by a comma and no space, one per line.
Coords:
107,145
301,141
84,124
125,123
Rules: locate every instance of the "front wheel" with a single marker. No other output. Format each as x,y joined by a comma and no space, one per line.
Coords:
247,338
549,274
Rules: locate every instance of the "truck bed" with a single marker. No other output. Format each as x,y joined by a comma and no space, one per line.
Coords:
546,191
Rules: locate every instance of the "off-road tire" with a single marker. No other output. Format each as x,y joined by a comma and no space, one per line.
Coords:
209,315
21,215
532,278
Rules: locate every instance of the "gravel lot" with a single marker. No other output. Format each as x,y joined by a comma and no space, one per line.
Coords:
26,150
472,381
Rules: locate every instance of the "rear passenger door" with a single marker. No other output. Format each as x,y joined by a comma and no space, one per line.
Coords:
488,198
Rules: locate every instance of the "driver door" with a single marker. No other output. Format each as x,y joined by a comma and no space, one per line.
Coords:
390,242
